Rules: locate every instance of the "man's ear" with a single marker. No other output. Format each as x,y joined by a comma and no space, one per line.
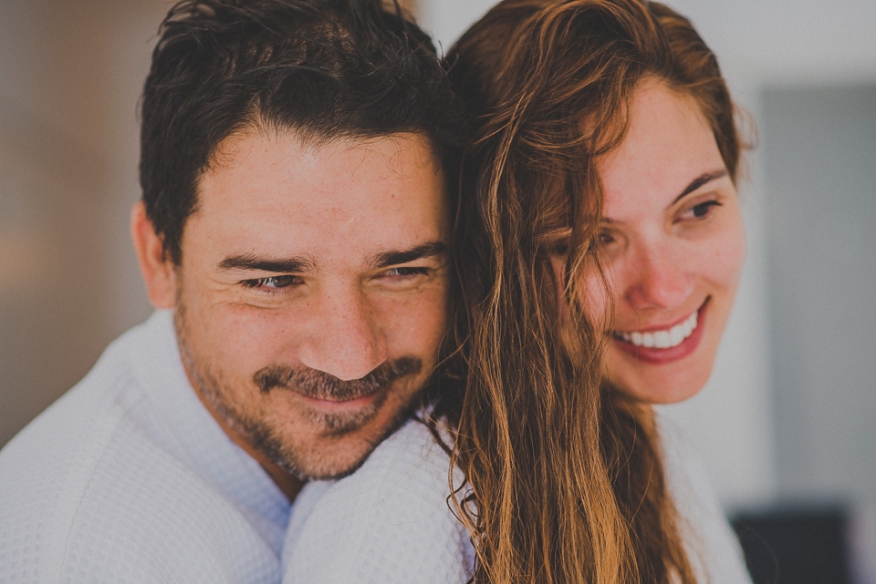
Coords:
157,268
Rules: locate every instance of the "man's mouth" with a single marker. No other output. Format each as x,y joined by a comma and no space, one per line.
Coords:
320,386
661,339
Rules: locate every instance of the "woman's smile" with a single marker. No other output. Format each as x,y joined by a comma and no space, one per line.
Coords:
660,337
664,344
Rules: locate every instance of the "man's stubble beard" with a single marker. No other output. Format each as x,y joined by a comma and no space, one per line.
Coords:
264,438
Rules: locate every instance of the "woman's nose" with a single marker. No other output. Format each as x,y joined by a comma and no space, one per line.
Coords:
658,279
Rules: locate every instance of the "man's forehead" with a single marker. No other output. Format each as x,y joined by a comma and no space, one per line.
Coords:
320,161
313,142
276,196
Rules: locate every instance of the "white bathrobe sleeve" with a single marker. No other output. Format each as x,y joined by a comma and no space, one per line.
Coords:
711,544
388,523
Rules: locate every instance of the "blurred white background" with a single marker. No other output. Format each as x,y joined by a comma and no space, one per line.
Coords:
787,413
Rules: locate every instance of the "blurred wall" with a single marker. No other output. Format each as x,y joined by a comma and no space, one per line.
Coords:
70,76
821,220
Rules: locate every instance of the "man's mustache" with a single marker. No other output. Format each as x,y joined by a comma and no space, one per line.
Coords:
320,385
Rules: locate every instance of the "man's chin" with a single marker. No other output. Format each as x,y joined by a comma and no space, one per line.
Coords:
338,420
340,446
339,459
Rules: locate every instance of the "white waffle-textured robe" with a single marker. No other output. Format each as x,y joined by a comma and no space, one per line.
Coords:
128,479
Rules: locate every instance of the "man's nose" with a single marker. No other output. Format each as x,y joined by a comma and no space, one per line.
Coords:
659,278
344,339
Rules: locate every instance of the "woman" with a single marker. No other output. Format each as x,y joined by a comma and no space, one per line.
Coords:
601,193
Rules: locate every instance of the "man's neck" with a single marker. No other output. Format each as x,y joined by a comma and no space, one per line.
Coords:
289,484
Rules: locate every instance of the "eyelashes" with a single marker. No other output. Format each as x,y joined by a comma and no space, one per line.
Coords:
271,283
406,272
703,209
285,283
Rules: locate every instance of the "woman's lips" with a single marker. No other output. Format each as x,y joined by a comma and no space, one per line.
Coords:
661,339
667,345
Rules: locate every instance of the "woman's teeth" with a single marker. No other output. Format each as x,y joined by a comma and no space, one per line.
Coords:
662,339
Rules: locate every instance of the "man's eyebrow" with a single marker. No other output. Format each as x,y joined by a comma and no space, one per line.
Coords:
699,181
266,264
425,250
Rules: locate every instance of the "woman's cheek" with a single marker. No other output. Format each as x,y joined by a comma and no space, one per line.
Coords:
728,257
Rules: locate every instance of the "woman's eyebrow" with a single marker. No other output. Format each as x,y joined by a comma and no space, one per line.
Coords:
699,181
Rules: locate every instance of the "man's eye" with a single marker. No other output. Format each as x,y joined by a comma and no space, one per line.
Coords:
405,272
271,282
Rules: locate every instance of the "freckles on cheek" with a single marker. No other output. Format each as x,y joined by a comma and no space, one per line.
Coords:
422,322
249,335
725,263
727,249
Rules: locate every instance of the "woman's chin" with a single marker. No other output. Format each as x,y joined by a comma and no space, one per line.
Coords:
666,383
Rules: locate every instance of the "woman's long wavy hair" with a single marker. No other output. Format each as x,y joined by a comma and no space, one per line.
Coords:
564,475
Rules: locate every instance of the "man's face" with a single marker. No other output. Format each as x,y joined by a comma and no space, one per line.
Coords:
311,297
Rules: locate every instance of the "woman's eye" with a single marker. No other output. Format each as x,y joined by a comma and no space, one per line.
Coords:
559,248
605,239
271,282
702,209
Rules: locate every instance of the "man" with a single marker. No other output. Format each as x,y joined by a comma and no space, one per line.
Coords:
294,231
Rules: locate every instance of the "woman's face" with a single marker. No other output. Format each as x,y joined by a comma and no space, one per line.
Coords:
673,247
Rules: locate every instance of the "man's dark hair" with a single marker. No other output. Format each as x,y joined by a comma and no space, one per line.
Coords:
322,68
